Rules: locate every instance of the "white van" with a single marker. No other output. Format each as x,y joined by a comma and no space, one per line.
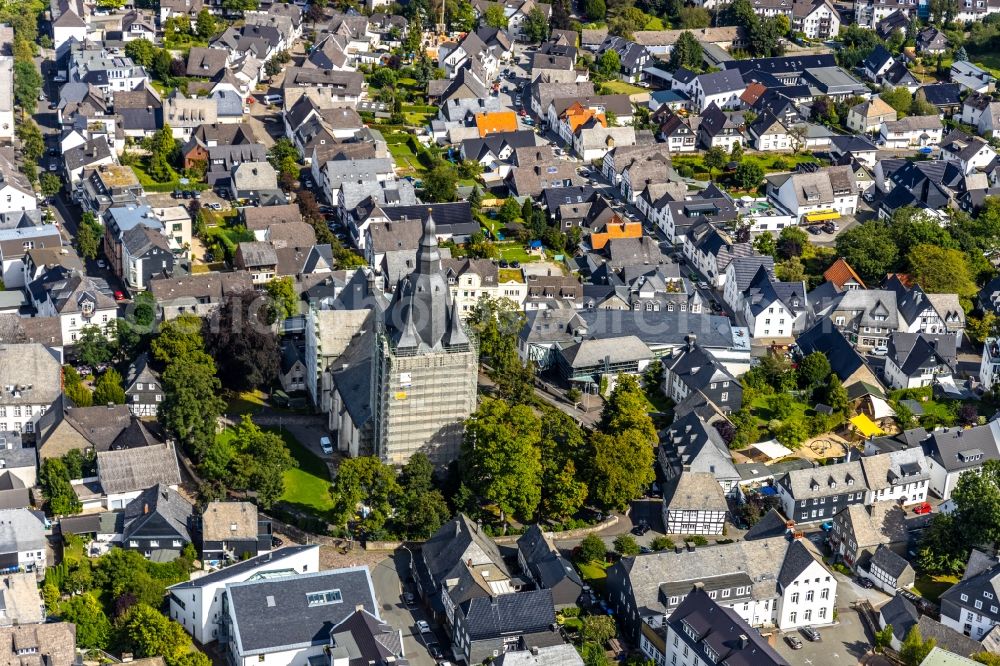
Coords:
325,445
272,99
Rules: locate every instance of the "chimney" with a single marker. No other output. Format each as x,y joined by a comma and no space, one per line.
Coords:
744,641
534,650
145,509
359,607
691,339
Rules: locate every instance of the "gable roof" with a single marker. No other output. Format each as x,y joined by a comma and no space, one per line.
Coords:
127,470
519,613
162,501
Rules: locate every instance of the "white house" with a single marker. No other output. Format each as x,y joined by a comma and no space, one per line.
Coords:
823,194
197,604
914,360
720,88
971,152
989,365
77,301
971,606
30,385
22,540
953,451
772,308
898,476
16,193
911,132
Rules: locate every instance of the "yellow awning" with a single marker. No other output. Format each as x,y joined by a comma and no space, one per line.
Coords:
866,426
822,215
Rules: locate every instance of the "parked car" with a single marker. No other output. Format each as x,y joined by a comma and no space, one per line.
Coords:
814,230
435,650
276,542
866,583
423,627
793,642
325,445
812,634
922,508
827,526
408,598
119,296
641,528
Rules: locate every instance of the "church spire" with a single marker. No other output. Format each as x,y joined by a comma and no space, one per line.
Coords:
428,256
456,333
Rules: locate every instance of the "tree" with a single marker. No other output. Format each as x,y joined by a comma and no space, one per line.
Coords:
687,52
600,628
790,270
625,545
898,98
765,244
495,17
596,10
814,369
869,249
149,633
563,494
609,64
715,158
592,549
141,51
51,184
988,658
241,5
93,629
980,328
496,322
32,141
242,343
792,241
260,462
626,410
109,389
621,468
206,24
594,655
93,346
500,458
914,648
285,302
941,270
88,240
661,543
535,27
27,83
749,175
509,211
422,508
961,55
883,639
178,338
191,406
54,480
441,183
364,482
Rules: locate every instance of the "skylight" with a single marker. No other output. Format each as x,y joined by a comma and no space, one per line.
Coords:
324,598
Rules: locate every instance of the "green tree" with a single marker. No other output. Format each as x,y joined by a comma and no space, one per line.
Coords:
162,143
694,18
496,323
284,299
364,482
141,51
898,98
495,17
53,478
149,633
596,10
594,655
32,141
51,184
422,508
625,545
600,628
27,84
941,270
592,549
980,328
441,183
914,648
109,389
883,639
178,338
500,458
93,346
88,241
765,244
792,242
814,369
715,158
610,63
563,493
869,249
244,346
661,543
988,658
241,5
621,467
790,270
93,629
626,410
191,407
687,52
260,462
749,175
206,24
510,211
535,27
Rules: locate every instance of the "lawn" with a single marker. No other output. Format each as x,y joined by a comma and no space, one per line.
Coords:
418,114
618,87
931,587
307,487
769,162
761,409
510,275
515,252
247,402
594,574
406,160
174,183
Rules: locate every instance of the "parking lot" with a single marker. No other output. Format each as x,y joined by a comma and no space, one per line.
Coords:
843,643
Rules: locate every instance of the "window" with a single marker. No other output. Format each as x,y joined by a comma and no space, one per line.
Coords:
795,598
792,617
824,593
324,598
979,604
822,612
965,597
154,544
809,596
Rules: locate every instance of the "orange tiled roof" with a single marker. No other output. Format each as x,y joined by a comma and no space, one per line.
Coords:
616,229
753,93
498,121
840,273
577,115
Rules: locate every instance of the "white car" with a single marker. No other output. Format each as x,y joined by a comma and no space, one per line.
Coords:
423,626
325,445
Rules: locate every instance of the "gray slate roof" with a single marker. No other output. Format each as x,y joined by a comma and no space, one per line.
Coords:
138,468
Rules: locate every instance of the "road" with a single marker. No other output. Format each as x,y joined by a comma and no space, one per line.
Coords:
387,577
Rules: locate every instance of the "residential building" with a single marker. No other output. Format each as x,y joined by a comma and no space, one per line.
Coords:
859,530
898,476
143,390
471,279
126,473
915,360
831,191
197,604
551,655
888,570
695,370
487,626
953,451
769,582
911,132
693,444
16,243
157,523
819,493
868,117
723,89
232,531
22,602
284,619
23,545
710,632
200,295
31,386
972,152
76,299
541,562
971,605
774,309
53,643
694,504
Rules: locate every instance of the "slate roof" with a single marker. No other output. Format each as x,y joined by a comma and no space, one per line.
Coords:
450,547
899,613
912,352
158,500
526,612
275,612
728,80
695,491
20,531
771,525
782,64
127,470
362,639
942,94
826,480
888,561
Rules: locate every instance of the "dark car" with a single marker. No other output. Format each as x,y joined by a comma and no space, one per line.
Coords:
812,634
435,650
794,642
866,583
640,528
815,231
276,542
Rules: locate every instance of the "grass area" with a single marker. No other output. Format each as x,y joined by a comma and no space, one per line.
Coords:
656,401
619,87
515,252
247,402
594,574
406,160
760,408
223,233
174,183
769,162
931,587
74,549
307,487
511,275
418,114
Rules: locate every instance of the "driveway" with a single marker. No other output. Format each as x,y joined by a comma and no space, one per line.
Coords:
388,577
843,643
